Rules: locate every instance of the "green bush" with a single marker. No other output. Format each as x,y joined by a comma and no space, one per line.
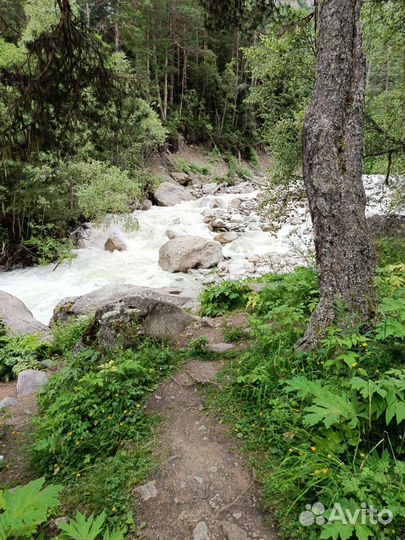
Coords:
19,353
94,405
227,296
326,426
67,335
25,509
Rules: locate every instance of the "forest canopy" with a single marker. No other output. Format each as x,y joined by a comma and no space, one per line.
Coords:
89,90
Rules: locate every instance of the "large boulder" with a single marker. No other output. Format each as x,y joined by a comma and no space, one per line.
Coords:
115,243
87,304
30,381
169,194
134,317
17,318
181,178
182,253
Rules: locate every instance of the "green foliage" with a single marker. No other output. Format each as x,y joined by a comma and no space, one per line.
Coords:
94,405
80,528
24,508
67,335
108,485
390,250
327,425
283,65
46,247
101,188
19,353
228,296
188,168
198,348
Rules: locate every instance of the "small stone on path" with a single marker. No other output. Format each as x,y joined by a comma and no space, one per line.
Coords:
220,347
201,531
7,402
147,491
30,381
233,532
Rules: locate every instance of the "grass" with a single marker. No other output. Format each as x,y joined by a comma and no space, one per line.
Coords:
283,404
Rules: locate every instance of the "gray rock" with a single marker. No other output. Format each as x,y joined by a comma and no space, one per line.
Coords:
226,237
168,194
54,524
181,178
235,203
145,205
30,381
201,531
17,318
7,402
115,243
185,252
236,218
233,532
218,224
89,303
147,491
170,234
124,323
220,347
210,189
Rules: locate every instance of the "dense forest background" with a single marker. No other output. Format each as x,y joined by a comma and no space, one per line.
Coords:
89,90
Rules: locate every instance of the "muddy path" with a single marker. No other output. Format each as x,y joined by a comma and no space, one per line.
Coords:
203,488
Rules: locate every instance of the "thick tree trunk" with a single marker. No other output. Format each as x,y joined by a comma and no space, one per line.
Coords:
332,162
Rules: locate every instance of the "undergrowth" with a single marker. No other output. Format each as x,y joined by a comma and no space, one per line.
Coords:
328,426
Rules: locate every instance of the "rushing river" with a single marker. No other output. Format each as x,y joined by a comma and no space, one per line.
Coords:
42,287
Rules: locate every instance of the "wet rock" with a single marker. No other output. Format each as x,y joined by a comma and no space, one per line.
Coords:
30,381
226,237
170,234
7,402
235,203
210,189
123,323
147,491
181,178
89,303
115,243
233,532
168,194
145,205
185,252
17,318
218,224
201,531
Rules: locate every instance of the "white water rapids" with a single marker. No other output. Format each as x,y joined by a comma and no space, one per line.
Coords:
42,287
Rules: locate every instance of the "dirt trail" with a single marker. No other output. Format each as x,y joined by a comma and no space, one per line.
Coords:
203,490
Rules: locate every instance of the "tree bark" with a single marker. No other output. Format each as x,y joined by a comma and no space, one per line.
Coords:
332,167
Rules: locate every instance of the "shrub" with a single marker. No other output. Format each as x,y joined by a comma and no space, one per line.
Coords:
228,296
19,353
94,405
101,188
326,426
24,509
